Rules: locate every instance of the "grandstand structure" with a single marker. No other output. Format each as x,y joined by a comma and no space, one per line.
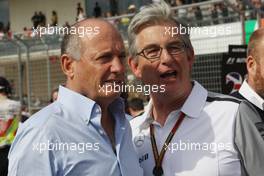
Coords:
32,65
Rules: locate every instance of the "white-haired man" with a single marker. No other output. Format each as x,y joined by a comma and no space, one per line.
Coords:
186,130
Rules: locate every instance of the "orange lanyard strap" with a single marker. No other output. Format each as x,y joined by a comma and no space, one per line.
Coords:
159,158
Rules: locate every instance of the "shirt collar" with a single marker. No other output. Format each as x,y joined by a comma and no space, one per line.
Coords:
76,103
247,92
195,101
86,108
192,107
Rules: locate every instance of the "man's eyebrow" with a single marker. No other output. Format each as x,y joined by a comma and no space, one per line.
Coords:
123,52
103,53
175,42
150,46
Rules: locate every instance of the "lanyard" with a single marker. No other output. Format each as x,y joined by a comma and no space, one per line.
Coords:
157,170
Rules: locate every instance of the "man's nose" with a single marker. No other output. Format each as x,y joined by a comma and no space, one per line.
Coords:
165,57
117,65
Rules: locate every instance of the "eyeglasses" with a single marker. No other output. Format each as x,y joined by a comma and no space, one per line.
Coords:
153,53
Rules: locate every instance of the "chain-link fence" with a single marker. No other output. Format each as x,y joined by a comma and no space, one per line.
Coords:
33,68
207,71
32,64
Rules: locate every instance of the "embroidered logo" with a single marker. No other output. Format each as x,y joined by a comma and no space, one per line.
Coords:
139,140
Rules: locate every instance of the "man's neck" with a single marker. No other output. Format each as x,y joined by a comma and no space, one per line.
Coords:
163,106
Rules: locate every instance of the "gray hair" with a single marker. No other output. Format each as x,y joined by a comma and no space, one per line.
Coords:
154,14
71,45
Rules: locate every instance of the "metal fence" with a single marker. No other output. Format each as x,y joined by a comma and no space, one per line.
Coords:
32,64
207,71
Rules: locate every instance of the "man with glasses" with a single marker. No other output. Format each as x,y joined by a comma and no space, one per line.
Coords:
186,130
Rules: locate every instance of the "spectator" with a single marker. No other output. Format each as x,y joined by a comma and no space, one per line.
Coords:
136,107
97,10
2,33
10,112
198,15
54,95
214,14
67,25
81,15
54,18
26,33
24,113
35,20
224,12
182,12
131,8
79,8
42,19
114,7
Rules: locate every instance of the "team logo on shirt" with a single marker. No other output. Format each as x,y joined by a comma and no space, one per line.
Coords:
139,139
260,127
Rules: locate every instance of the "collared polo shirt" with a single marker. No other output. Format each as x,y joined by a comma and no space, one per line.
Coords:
66,139
248,93
203,144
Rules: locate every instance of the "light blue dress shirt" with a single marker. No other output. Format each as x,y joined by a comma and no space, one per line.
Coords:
66,139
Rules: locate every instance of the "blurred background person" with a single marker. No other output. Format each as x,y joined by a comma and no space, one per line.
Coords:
80,12
136,107
10,111
54,18
54,95
97,10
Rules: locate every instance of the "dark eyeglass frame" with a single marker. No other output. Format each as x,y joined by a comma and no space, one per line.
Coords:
143,54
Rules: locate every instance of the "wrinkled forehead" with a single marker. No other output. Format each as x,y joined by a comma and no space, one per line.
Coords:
108,39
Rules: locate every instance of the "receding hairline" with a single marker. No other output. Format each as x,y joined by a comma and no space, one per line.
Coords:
156,22
72,43
93,22
255,42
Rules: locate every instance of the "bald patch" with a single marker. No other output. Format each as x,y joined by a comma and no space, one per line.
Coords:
72,44
256,43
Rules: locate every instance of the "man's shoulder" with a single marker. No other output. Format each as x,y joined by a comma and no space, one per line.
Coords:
222,104
218,97
236,94
247,111
42,118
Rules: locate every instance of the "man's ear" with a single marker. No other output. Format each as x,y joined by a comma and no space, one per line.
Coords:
251,65
133,64
67,65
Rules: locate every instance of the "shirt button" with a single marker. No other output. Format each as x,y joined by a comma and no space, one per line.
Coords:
98,110
101,132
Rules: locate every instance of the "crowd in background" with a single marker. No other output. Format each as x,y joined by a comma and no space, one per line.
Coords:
215,14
